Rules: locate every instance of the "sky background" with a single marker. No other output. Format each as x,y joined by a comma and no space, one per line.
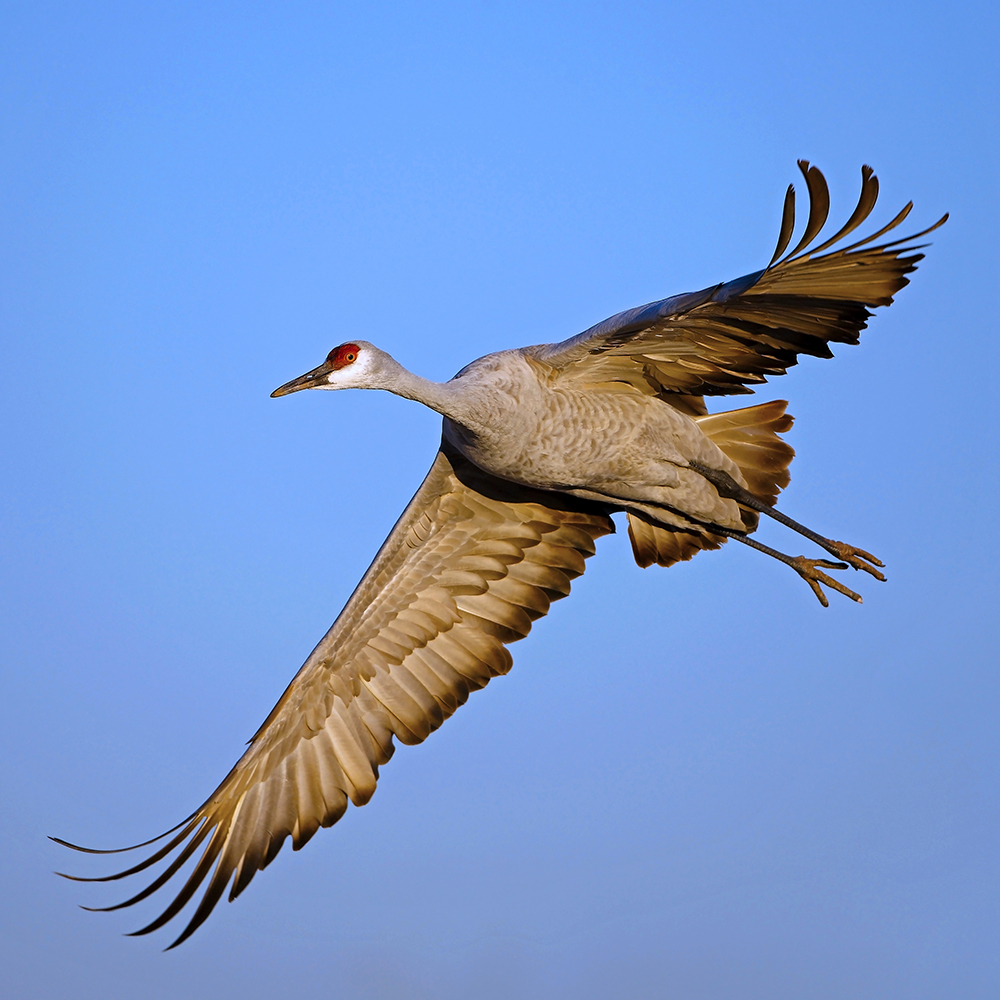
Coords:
696,782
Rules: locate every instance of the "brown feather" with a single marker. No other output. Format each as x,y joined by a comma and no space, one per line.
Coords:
468,567
787,224
819,205
750,438
727,338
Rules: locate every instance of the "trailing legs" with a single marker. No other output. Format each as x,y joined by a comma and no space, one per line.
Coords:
809,569
850,555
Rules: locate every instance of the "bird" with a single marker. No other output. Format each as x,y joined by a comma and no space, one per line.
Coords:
540,446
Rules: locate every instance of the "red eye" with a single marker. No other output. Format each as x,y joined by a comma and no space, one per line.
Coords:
342,356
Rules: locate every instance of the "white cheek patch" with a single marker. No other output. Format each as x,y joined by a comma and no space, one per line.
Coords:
340,378
350,376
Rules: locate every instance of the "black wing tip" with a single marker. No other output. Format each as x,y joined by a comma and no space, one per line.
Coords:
122,850
199,917
787,225
937,225
95,850
75,847
76,878
819,206
184,935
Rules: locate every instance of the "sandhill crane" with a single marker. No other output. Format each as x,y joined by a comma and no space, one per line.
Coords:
540,446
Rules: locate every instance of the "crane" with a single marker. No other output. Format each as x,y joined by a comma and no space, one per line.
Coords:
540,446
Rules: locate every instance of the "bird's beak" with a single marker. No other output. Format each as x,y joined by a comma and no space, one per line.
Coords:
310,380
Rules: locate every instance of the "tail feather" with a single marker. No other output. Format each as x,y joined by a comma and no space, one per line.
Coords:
652,543
749,436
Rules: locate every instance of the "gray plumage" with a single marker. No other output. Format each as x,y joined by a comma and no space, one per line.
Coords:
539,446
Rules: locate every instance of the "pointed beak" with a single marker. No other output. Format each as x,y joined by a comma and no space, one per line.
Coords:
310,380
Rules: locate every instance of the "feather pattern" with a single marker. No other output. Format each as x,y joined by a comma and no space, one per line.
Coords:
723,339
472,562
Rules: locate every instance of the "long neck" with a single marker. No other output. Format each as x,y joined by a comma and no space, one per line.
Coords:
450,399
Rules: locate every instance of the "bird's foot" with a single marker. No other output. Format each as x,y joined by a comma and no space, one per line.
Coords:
809,570
857,558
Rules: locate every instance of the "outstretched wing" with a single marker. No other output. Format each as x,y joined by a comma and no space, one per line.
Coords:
472,562
724,338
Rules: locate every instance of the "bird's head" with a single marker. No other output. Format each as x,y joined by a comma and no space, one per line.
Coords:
354,365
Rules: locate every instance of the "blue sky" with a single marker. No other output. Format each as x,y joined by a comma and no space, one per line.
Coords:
695,782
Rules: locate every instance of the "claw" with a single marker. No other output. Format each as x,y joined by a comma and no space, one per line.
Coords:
809,570
858,558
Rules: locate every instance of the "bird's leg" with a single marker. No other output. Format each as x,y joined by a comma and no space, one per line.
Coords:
808,569
728,488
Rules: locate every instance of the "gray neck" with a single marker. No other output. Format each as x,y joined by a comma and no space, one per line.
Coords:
450,399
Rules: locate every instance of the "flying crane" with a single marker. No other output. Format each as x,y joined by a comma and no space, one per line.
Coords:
540,445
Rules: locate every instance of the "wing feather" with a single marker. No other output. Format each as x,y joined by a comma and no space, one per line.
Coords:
787,224
819,205
724,339
472,562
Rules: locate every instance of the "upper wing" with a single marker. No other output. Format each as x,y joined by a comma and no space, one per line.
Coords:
719,340
470,564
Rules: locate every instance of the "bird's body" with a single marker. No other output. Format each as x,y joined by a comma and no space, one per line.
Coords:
539,446
516,418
